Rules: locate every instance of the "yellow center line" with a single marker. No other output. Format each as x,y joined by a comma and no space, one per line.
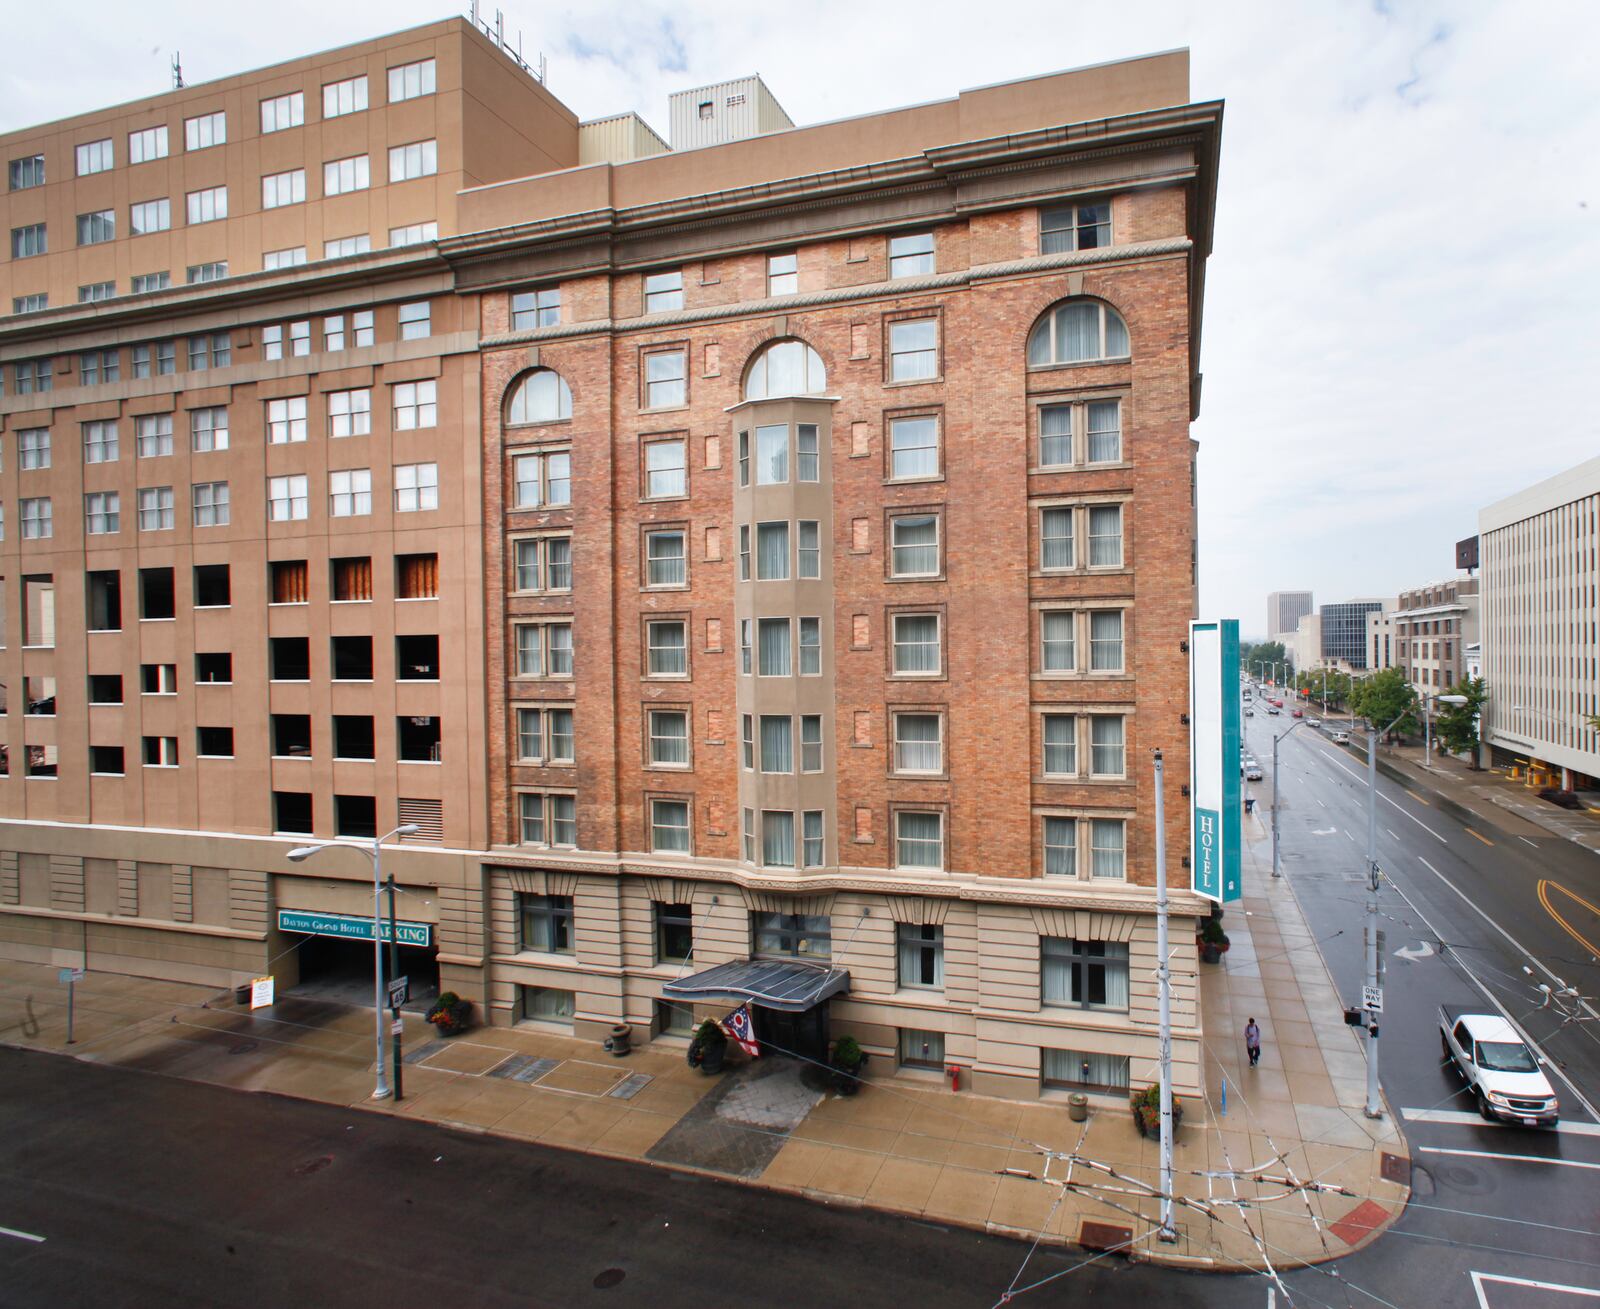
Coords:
1544,898
1484,839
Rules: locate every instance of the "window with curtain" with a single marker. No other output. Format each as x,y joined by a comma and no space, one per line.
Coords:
1074,227
913,448
666,564
669,826
808,548
290,582
1060,745
777,743
810,743
1088,974
1106,745
417,577
913,350
914,545
1056,626
1060,847
1105,536
1055,538
772,552
810,647
808,452
669,737
669,648
803,936
1055,436
674,932
352,579
919,840
1105,432
812,854
920,1049
1076,332
777,838
1105,639
666,469
1108,847
541,397
921,955
772,455
916,643
917,748
546,922
772,636
1084,1070
785,368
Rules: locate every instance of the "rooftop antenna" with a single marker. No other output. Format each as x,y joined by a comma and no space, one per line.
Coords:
177,71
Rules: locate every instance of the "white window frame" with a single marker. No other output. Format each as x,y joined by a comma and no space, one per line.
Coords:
938,644
912,255
281,112
349,492
413,160
416,488
208,205
288,498
147,144
341,176
408,81
347,96
96,156
205,130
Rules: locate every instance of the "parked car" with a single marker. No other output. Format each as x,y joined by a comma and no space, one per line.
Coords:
1341,738
1501,1072
1252,771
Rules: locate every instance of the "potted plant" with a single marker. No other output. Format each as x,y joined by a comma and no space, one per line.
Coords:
1146,1106
848,1059
1212,941
450,1013
708,1048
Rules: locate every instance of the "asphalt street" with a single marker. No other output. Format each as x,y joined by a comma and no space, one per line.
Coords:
1462,909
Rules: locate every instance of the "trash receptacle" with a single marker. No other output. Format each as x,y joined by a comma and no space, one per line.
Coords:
241,993
618,1041
1077,1106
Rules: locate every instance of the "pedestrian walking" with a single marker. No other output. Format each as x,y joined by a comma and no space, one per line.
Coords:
1252,1042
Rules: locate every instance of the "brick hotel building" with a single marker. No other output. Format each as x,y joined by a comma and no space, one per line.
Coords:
773,551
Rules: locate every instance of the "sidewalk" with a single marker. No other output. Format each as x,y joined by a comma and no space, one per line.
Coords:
900,1145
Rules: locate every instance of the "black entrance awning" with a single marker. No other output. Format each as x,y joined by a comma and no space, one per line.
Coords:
792,987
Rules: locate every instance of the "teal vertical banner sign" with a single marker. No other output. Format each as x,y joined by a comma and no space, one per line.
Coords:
1215,801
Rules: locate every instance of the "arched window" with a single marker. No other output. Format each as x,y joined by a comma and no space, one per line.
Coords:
785,368
540,397
1077,332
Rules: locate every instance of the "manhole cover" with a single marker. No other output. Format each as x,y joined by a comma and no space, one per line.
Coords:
311,1166
609,1278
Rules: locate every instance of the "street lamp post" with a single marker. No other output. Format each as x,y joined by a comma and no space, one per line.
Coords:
299,855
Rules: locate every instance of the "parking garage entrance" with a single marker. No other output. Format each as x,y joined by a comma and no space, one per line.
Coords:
335,956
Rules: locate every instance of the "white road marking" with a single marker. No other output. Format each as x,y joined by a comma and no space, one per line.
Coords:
1347,833
1323,805
21,1236
1464,1118
1392,833
1334,760
1534,844
1478,1279
1514,1158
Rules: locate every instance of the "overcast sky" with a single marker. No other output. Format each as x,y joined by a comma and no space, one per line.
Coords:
1401,316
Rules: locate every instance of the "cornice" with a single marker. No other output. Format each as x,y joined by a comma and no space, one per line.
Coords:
904,286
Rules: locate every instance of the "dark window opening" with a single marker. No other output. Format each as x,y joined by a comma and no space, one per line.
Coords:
352,658
416,658
217,742
291,812
213,588
217,667
157,593
352,578
105,601
106,759
355,815
105,688
291,658
291,735
353,737
418,740
158,679
39,696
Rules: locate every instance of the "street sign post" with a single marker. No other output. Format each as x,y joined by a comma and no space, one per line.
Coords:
1372,999
69,976
1214,794
352,928
399,991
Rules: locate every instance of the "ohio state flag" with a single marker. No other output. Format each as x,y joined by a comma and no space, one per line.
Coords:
737,1025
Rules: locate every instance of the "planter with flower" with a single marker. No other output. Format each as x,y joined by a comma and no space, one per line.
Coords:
450,1014
1211,941
1146,1106
708,1048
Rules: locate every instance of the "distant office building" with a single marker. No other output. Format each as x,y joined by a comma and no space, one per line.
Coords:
1344,631
1540,573
1380,640
1432,625
1305,643
1285,609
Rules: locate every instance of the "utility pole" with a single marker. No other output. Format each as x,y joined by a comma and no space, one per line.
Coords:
1374,1106
396,1027
1168,1232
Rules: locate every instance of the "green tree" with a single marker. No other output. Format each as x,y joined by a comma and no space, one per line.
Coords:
1385,698
1457,724
1267,652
